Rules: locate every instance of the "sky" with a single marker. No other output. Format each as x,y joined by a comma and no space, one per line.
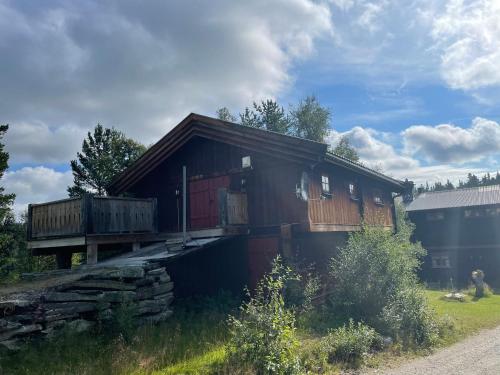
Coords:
414,85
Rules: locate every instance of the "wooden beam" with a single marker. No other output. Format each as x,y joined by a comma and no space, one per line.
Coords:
57,242
92,254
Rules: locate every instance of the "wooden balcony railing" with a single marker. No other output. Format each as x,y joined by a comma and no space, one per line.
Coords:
91,215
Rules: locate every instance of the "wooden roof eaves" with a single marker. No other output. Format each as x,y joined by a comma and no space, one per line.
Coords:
218,131
398,185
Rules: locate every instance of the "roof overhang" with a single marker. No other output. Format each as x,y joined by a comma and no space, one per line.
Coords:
397,185
269,143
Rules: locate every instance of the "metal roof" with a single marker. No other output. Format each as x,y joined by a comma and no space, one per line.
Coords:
478,196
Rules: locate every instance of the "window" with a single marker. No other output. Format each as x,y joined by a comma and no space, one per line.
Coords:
441,261
492,211
353,191
325,186
377,197
474,213
435,216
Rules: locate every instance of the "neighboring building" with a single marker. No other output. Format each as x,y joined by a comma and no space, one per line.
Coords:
268,192
461,231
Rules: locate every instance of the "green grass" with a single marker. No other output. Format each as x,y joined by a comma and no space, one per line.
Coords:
193,342
469,316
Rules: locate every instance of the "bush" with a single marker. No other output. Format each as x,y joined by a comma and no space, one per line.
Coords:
349,343
264,334
408,318
375,281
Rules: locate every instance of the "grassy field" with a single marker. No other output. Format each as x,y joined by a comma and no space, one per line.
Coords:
193,343
469,316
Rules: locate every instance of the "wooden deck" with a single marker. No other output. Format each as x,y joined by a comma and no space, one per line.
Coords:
84,224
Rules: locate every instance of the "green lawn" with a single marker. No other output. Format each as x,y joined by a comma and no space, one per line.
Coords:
193,343
469,316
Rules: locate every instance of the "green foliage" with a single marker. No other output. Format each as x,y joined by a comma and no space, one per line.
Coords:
310,120
15,257
225,115
345,150
471,181
408,318
6,200
123,321
349,343
267,115
264,335
105,154
375,281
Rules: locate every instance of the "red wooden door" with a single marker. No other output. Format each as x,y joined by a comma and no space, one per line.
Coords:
203,201
261,252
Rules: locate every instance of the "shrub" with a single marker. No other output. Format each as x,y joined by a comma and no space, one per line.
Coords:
349,343
407,317
376,281
264,334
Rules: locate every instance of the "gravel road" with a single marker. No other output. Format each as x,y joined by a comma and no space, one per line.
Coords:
479,354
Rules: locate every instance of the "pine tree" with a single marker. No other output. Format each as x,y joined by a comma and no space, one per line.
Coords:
310,120
345,150
225,115
105,154
267,115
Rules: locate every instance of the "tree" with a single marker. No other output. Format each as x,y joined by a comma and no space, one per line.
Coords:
310,120
267,115
345,150
105,154
225,115
6,200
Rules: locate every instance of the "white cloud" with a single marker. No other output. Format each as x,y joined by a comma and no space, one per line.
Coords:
36,185
377,150
450,143
142,68
38,143
468,33
373,151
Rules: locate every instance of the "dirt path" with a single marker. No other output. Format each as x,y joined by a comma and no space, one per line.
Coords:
479,354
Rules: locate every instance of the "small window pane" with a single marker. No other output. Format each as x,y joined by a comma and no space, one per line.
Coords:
377,197
434,216
353,191
325,184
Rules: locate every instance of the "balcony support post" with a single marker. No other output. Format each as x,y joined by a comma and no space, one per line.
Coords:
92,254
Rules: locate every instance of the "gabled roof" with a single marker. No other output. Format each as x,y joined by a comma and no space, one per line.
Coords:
267,142
469,197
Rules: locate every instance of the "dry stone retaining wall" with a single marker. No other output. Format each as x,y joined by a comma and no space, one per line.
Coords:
79,304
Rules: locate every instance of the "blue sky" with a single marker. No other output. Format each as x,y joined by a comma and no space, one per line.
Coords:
415,85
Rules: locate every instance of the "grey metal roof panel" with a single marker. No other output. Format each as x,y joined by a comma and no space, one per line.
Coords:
478,196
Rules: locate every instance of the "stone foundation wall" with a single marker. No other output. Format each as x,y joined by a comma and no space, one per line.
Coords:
146,289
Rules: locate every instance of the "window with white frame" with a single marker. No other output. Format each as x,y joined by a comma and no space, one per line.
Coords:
440,261
435,216
377,197
325,185
353,191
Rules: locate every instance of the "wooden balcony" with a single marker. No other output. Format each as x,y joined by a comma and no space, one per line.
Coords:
90,220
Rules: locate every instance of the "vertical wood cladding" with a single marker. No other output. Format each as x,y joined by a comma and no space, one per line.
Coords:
270,185
340,209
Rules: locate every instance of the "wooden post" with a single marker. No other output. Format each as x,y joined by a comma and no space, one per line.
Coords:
29,229
286,241
184,205
92,254
222,198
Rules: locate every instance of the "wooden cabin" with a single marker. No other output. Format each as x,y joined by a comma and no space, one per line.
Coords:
460,230
276,193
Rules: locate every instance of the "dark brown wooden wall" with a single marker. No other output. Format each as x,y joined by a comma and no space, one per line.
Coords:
270,184
339,210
